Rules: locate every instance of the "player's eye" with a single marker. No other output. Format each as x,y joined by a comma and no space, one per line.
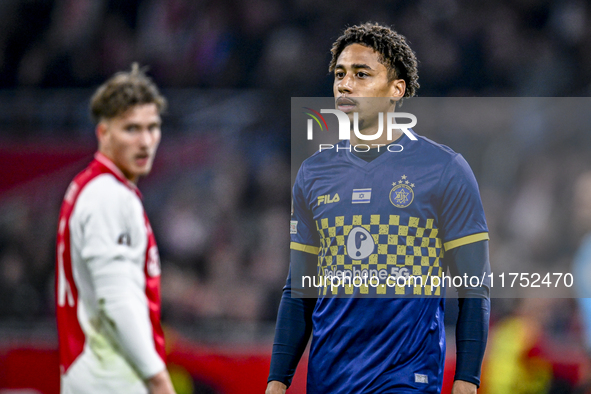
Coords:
153,127
361,74
132,128
339,74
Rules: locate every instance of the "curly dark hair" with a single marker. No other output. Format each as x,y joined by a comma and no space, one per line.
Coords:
122,91
393,50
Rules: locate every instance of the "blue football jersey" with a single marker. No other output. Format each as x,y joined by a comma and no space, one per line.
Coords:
392,217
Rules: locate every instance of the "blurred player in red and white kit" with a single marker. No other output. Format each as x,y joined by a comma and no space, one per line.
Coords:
108,269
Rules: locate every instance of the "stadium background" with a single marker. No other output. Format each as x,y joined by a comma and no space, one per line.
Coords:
219,195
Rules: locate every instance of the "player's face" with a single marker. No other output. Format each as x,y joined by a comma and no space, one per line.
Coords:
130,140
359,74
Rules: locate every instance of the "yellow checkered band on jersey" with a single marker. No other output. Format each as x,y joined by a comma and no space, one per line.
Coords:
407,243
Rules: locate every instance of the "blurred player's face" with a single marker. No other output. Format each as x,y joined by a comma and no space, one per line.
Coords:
130,140
361,84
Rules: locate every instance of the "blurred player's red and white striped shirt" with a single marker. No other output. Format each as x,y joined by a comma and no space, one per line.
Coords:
107,286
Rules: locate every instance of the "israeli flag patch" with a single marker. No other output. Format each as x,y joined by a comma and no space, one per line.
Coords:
361,196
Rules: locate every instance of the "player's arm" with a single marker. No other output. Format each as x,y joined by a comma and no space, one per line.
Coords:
160,383
474,311
294,318
115,267
293,327
465,237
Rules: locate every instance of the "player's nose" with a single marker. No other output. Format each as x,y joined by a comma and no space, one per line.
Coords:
146,138
345,85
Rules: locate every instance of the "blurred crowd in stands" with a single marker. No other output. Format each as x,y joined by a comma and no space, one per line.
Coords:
506,48
220,193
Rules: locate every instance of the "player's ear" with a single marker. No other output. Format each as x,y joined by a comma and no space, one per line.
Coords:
397,89
101,131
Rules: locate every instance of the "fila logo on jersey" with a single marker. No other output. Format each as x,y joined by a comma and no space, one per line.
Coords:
359,244
326,199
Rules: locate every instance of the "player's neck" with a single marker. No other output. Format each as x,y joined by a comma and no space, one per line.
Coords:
106,153
382,140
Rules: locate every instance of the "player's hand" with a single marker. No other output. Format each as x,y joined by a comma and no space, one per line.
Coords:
160,383
463,387
275,387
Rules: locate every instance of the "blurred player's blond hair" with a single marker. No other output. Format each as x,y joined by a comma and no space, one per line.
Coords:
124,90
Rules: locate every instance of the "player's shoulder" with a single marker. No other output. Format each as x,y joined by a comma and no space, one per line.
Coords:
322,158
324,155
106,184
104,190
440,154
434,149
331,156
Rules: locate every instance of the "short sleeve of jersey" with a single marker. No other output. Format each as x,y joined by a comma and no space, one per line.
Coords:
462,219
304,235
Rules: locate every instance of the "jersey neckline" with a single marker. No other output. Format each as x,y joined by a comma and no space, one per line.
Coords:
116,172
367,166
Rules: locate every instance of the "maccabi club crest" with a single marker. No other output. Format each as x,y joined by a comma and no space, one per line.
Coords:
402,193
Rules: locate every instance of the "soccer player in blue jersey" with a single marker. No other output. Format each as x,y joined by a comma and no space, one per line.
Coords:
390,213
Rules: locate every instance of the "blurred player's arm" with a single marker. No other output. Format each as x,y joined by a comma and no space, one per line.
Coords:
160,383
115,265
474,311
294,325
